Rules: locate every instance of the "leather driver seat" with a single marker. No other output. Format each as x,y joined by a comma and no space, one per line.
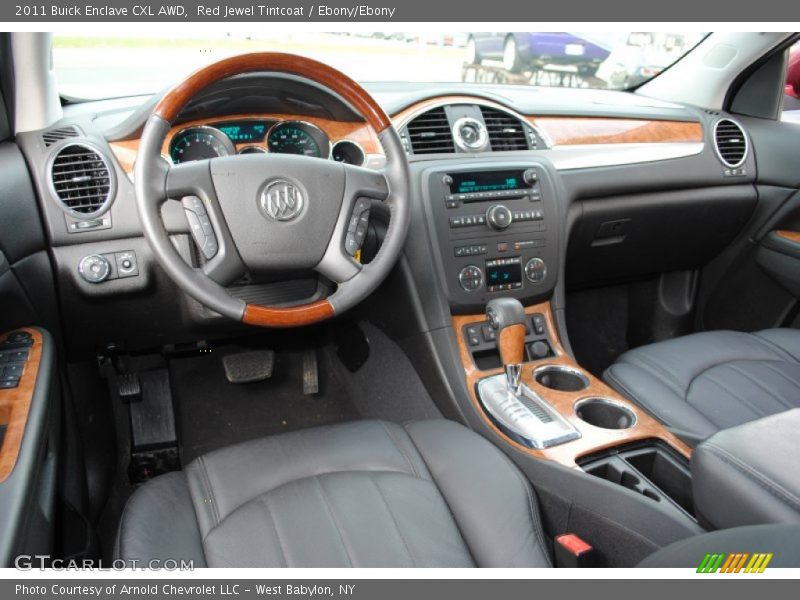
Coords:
362,494
705,382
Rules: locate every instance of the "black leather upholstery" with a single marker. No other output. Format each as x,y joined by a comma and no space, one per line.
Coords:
755,464
364,494
783,541
701,383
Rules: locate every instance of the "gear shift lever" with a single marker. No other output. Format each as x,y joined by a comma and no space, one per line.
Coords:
507,317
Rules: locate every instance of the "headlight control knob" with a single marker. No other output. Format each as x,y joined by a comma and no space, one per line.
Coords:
499,217
94,268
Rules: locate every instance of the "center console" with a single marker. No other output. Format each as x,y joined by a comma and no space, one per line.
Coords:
496,230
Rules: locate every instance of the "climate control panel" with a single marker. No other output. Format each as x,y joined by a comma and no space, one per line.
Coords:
496,228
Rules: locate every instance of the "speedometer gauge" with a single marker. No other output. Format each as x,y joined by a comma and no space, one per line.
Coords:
198,143
298,137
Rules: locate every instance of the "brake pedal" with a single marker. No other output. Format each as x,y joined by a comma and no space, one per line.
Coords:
249,367
310,373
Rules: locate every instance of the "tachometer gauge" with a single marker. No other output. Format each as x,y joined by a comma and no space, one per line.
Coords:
298,137
198,143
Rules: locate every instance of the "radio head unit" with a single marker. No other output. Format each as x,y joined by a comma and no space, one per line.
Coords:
487,181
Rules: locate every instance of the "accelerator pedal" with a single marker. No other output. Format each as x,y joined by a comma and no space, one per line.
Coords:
310,372
248,367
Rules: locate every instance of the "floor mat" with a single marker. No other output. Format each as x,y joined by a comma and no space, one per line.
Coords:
213,413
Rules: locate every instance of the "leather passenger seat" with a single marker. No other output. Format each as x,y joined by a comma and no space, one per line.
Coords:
705,382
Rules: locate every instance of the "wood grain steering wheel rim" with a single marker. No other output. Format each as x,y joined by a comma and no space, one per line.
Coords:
155,181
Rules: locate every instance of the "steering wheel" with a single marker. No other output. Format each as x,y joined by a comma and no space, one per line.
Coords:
262,213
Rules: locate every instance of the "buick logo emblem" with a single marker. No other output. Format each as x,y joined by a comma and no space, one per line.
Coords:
281,200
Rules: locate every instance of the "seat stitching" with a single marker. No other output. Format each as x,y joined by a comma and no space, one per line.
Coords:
268,505
210,490
768,485
324,495
441,494
775,347
536,522
735,396
794,382
394,521
749,377
399,449
668,378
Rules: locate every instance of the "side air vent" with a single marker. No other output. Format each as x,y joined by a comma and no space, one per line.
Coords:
56,135
82,180
506,132
730,142
430,133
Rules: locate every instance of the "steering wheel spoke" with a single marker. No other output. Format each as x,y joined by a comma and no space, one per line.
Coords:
193,184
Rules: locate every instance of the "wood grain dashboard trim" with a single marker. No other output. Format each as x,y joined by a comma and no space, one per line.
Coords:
15,404
356,131
593,439
573,130
569,131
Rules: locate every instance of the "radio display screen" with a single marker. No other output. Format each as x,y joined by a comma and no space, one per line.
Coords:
486,181
508,274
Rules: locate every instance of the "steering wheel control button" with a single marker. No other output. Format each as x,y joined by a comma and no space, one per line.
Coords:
470,278
94,268
194,204
535,270
499,217
358,226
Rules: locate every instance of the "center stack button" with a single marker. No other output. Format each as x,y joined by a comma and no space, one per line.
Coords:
499,217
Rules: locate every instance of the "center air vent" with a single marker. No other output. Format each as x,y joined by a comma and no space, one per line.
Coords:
506,132
56,135
730,142
81,180
430,133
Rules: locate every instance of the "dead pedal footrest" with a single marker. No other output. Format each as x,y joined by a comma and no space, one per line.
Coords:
248,367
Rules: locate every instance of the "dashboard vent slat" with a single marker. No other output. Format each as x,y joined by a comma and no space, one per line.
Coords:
56,135
82,180
506,132
430,133
730,142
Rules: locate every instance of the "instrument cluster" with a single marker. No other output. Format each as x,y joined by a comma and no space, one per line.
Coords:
261,136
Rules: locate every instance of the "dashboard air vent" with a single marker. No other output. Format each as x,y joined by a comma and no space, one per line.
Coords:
56,135
506,132
81,179
430,133
730,142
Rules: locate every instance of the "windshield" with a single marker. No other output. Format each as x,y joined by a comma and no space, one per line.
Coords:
106,66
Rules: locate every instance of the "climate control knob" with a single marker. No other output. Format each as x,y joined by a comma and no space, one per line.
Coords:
499,217
535,270
470,278
94,268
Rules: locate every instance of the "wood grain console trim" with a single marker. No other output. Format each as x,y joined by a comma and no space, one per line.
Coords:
175,99
306,314
15,405
593,439
356,131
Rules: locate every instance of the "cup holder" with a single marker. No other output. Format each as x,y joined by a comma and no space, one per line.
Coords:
605,413
561,379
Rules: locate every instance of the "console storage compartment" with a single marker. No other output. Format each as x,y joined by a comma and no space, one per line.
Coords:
651,469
